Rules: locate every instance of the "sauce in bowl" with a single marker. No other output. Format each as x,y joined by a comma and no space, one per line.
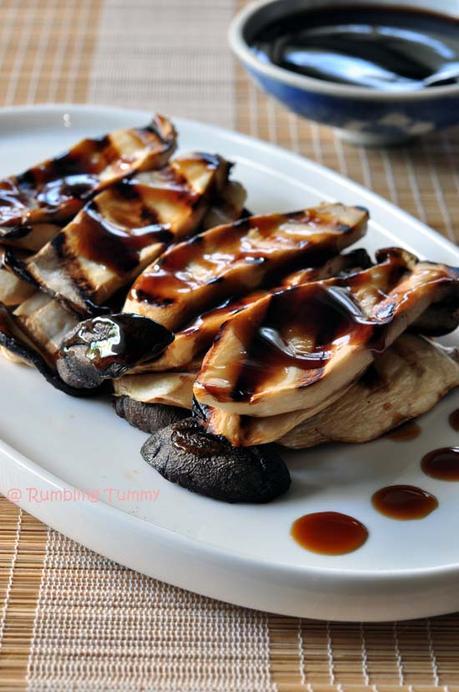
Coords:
385,48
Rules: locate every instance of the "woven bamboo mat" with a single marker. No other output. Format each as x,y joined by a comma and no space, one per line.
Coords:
71,620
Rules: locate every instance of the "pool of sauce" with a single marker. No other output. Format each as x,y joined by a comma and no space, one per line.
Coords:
442,464
454,419
404,502
405,433
388,48
329,533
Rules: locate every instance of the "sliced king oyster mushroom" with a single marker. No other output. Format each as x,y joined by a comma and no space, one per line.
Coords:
146,401
45,321
403,383
125,227
227,206
105,347
36,203
298,349
231,260
169,388
20,348
185,454
13,288
197,336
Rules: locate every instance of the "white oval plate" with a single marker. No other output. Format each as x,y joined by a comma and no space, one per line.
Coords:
242,554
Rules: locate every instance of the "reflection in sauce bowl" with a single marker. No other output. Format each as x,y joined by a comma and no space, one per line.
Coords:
329,533
442,464
404,502
405,433
454,419
376,47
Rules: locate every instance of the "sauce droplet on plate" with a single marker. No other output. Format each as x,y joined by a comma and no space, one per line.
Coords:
404,433
442,464
454,419
404,502
329,533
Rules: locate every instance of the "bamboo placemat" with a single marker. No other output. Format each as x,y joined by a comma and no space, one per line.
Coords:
71,620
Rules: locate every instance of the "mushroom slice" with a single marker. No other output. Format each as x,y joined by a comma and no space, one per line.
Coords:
231,260
13,288
403,383
297,348
185,454
124,228
150,402
227,206
168,388
34,204
197,337
45,321
21,348
105,347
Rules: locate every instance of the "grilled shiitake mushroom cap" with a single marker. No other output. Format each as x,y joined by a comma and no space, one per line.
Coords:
185,454
147,417
105,347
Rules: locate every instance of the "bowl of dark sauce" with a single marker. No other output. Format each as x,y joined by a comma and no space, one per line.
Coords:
379,71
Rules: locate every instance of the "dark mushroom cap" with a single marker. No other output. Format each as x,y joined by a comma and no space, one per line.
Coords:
106,346
147,417
184,453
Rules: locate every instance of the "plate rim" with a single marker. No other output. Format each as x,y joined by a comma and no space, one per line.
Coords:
177,540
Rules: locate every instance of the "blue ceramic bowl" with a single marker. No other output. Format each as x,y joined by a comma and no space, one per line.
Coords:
364,116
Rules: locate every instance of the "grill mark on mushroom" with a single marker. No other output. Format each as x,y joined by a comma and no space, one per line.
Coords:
124,228
197,336
53,191
281,355
231,260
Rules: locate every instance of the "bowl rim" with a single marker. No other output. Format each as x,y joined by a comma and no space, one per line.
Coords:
242,50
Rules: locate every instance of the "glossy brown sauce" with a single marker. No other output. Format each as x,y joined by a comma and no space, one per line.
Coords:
331,315
102,241
405,433
404,502
64,182
454,419
293,237
329,533
442,464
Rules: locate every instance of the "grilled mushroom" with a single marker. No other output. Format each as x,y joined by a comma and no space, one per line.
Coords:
403,383
297,349
147,417
34,204
125,227
185,454
192,341
20,348
105,347
232,260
